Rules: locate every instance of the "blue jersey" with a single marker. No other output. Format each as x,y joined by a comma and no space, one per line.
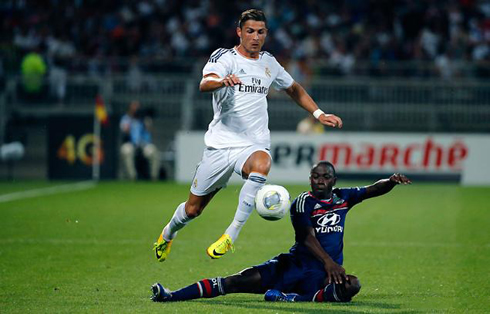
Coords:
138,134
327,218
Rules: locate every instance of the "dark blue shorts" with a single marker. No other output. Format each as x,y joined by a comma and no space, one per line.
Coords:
287,273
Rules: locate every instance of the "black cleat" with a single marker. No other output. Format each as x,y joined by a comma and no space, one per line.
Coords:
160,294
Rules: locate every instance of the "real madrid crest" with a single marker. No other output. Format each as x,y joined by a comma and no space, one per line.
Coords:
267,72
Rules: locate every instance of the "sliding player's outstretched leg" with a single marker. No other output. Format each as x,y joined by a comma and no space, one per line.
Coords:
159,293
206,288
246,281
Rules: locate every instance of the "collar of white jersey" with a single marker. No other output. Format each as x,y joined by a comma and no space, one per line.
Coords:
245,57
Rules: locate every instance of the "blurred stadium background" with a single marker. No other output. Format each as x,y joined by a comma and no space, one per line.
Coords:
388,66
409,78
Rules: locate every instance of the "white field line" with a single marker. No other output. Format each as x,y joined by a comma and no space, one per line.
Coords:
58,189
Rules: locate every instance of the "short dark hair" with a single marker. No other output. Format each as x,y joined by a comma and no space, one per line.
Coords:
325,164
252,14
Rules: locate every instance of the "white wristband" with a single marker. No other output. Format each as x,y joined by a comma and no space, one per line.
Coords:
318,113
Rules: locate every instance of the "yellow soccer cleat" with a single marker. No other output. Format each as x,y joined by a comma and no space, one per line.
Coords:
162,248
220,247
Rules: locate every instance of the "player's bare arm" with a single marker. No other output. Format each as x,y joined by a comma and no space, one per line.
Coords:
386,185
212,82
304,100
335,272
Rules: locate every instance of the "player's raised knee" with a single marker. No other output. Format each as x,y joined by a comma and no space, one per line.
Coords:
259,162
263,168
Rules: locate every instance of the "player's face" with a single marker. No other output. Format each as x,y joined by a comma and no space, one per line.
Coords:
252,36
322,179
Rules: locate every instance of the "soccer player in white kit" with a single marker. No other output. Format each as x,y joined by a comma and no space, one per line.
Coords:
238,138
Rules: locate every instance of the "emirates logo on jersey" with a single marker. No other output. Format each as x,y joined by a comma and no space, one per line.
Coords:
254,88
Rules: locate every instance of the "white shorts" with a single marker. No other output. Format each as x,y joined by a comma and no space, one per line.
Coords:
217,166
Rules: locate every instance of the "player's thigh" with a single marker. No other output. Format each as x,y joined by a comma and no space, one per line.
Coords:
212,173
312,280
253,159
281,273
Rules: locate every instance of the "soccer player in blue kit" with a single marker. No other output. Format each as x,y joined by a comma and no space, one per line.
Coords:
312,270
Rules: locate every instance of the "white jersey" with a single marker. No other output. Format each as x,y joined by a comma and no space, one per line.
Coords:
240,112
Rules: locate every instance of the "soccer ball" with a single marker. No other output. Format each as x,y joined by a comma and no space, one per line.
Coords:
272,202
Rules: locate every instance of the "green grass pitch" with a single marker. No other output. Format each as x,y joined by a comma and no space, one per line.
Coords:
421,248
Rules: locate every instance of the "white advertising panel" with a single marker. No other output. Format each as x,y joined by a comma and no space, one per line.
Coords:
436,156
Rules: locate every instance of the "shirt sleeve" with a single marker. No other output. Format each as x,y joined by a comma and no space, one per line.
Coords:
354,195
299,216
125,120
219,63
283,79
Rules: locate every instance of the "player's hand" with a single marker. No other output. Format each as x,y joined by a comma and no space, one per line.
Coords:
399,178
335,272
231,80
330,120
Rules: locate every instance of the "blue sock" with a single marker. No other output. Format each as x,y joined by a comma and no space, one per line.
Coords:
206,288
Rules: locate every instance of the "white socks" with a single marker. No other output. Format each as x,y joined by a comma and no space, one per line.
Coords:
246,203
178,221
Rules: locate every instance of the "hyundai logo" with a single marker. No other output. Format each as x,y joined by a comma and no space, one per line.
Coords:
330,219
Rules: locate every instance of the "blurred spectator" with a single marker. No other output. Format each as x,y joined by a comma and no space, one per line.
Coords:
135,76
301,71
2,77
342,34
310,125
33,69
57,81
446,66
136,126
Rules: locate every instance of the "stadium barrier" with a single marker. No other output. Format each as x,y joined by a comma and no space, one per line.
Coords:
434,157
365,105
